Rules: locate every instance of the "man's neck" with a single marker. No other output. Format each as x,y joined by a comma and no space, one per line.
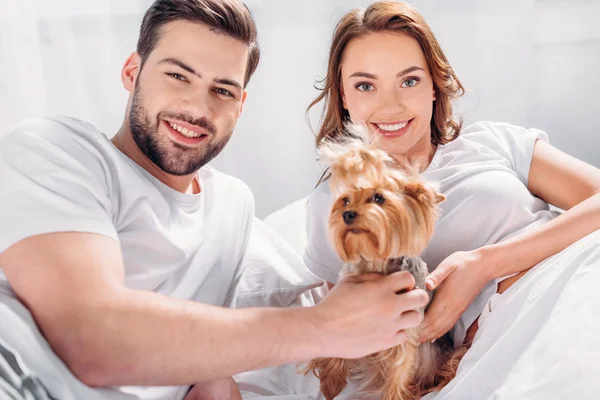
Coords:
123,141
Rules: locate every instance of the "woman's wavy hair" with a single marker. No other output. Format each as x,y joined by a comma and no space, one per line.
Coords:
389,16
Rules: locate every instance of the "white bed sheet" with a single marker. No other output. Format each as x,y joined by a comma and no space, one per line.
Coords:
541,342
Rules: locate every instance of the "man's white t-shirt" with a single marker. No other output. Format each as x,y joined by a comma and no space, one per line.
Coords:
484,175
62,174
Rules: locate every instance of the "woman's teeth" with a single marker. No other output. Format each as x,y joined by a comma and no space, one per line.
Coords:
392,128
185,132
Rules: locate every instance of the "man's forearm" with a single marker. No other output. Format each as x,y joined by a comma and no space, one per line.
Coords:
141,338
109,335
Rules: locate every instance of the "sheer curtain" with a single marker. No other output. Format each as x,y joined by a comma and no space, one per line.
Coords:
527,62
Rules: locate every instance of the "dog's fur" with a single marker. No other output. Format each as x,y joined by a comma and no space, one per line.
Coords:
381,220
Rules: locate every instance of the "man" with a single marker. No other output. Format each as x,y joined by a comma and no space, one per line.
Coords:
128,252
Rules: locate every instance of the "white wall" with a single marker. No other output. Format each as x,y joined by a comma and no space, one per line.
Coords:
533,63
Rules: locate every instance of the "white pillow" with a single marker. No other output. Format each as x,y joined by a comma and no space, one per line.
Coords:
274,273
289,223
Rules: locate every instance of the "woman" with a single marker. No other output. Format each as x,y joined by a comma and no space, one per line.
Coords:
387,70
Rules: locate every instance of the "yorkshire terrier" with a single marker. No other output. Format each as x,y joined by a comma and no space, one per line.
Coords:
382,219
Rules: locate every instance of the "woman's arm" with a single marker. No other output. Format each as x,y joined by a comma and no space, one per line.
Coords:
555,177
564,182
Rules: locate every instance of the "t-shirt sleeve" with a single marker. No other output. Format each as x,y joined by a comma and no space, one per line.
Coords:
320,256
51,181
516,144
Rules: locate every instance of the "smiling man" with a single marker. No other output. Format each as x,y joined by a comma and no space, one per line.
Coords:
120,259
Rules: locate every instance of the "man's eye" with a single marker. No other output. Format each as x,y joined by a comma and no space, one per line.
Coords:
177,76
224,92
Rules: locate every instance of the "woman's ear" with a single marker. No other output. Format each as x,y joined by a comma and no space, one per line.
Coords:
344,104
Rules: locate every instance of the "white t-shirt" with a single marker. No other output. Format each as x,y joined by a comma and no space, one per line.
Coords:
483,174
62,174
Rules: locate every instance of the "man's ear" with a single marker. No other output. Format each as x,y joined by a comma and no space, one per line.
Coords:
130,71
244,96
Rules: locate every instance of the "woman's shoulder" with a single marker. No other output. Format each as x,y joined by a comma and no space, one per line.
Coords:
497,130
499,136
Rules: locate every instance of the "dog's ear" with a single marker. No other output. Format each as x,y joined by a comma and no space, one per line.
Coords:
439,197
423,191
354,162
354,137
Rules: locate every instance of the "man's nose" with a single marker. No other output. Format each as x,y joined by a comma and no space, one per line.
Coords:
199,104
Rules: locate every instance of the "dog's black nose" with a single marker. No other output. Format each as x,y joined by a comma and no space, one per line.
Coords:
349,217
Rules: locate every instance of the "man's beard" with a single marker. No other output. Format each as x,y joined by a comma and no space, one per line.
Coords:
171,157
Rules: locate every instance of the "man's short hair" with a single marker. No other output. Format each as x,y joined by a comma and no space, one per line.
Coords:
229,17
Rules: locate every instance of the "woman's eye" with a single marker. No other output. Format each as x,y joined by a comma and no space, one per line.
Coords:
410,82
364,87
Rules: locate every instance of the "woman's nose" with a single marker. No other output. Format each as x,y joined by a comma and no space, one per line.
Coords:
392,102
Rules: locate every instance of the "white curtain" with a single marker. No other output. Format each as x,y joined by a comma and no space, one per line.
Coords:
533,63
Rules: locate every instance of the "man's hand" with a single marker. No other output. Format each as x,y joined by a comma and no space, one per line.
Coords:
73,283
364,314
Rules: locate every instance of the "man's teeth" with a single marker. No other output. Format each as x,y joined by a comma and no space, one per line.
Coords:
184,131
392,128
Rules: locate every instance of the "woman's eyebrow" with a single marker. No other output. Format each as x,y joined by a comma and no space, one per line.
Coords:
367,75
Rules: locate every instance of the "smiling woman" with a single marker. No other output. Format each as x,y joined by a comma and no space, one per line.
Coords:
387,71
404,95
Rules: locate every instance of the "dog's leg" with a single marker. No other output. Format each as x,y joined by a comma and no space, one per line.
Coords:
400,384
448,371
333,374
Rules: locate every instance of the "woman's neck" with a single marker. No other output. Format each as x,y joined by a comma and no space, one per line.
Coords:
419,156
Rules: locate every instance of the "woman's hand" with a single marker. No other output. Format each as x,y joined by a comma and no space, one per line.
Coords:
458,280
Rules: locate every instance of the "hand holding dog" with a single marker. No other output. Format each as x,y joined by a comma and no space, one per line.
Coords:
217,389
457,280
364,314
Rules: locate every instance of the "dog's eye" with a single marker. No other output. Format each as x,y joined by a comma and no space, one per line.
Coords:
377,198
345,201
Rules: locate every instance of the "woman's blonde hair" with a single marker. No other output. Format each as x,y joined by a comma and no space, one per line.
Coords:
389,16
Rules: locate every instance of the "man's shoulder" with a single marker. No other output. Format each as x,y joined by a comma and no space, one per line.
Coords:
58,146
59,132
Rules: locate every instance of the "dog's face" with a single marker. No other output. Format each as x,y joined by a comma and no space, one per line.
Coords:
394,217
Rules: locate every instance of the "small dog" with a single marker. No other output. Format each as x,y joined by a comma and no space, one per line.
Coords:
382,219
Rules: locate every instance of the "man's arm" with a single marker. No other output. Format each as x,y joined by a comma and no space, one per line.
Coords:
73,283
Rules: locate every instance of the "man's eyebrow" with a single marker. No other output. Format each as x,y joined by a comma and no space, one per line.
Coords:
230,82
367,75
182,65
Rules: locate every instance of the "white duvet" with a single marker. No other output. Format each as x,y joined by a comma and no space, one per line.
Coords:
542,340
